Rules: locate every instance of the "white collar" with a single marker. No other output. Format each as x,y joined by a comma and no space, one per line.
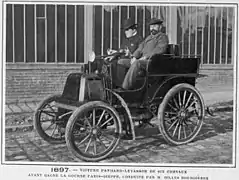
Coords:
134,33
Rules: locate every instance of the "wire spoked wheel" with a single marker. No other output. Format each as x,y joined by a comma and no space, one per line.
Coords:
181,114
47,122
93,131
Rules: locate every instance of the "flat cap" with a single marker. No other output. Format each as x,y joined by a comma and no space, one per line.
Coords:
155,21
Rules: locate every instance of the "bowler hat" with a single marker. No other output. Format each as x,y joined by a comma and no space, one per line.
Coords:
128,23
155,21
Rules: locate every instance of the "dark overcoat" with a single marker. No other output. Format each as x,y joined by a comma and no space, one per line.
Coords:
153,44
131,43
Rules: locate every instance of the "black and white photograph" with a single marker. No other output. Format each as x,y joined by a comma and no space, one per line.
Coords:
119,90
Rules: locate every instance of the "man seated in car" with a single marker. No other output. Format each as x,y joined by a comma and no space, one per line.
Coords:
129,44
155,43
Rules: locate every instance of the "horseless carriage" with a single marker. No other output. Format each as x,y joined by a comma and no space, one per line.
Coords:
92,115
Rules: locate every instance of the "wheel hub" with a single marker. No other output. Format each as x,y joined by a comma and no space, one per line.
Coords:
182,113
94,131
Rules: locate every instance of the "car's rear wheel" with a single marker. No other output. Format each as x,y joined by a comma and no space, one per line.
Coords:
181,114
93,131
47,122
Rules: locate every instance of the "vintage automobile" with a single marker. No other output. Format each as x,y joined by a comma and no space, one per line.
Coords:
92,114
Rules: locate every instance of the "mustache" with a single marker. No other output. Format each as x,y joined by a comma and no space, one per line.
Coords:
153,31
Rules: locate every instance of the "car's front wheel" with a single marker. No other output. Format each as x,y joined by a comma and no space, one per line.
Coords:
47,122
93,131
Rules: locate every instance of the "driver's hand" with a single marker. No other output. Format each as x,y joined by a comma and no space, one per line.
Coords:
127,52
132,60
110,51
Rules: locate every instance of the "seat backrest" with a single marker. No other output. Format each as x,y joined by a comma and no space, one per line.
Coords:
173,49
163,64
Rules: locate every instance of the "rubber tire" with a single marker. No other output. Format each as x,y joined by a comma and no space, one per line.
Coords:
72,120
167,97
37,123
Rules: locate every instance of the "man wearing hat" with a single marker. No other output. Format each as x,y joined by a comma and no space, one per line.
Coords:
133,39
155,43
129,44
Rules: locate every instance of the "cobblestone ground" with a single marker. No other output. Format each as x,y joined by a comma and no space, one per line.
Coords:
212,146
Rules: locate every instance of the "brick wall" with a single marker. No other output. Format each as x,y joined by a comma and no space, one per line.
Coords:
219,77
34,82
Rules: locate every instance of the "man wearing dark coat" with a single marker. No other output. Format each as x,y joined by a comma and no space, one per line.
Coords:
129,44
155,43
132,39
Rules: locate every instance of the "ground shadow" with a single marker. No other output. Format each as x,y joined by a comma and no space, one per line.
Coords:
148,138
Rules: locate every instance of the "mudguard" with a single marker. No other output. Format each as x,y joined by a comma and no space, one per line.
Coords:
158,91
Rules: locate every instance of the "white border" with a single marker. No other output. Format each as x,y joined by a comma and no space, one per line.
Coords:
110,3
3,80
226,170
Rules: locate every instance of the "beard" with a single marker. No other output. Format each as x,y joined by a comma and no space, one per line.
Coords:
153,31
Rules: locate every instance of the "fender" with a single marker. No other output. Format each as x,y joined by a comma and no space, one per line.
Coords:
123,103
169,82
